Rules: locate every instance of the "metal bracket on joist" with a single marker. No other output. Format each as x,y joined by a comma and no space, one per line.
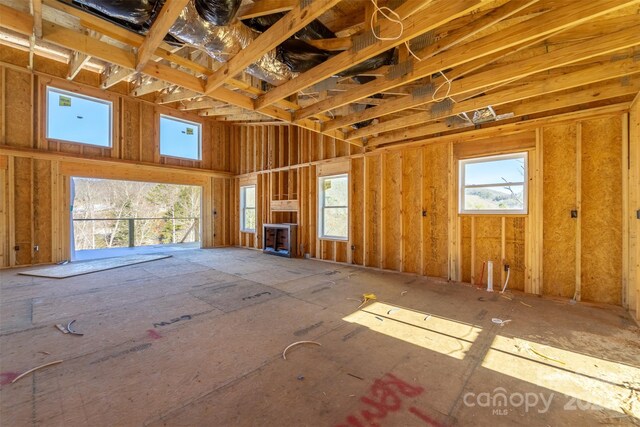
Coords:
365,39
400,70
423,91
305,3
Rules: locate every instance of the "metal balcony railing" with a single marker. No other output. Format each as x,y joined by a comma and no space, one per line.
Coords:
118,232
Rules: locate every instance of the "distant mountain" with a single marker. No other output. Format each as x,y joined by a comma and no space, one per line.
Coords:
485,198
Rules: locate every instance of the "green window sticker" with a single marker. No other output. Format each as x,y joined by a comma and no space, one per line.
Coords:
64,101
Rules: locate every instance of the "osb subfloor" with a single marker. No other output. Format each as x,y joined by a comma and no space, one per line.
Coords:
197,340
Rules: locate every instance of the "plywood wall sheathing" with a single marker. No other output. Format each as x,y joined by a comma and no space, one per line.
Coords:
633,293
435,199
559,193
411,214
602,209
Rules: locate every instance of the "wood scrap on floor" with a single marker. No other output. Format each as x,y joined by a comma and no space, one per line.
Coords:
87,267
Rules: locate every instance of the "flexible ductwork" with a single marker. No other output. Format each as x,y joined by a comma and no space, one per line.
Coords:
224,42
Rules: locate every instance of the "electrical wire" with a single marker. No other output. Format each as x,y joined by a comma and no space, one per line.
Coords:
381,10
504,288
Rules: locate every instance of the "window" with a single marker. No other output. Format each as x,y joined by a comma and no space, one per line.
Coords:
78,118
179,138
494,185
333,207
248,208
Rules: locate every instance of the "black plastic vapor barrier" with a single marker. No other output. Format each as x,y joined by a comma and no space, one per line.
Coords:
218,12
315,30
134,15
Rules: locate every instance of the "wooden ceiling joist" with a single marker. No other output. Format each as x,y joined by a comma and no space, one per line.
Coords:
476,82
608,90
299,17
561,18
528,89
165,19
478,48
262,8
523,57
435,14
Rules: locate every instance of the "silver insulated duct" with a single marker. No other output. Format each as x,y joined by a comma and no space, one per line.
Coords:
224,42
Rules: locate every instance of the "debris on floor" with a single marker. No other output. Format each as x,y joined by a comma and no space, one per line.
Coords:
68,329
367,298
500,321
35,369
284,353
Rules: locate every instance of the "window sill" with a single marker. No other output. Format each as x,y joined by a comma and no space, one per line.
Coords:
333,239
248,231
82,144
514,214
180,158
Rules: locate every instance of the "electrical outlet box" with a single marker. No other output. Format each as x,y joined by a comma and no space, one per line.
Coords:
574,214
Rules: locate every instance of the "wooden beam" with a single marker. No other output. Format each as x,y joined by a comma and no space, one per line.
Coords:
531,89
263,8
165,19
200,104
561,57
149,87
15,20
609,90
113,76
177,95
224,111
436,13
292,22
339,43
500,129
36,10
465,32
76,62
551,22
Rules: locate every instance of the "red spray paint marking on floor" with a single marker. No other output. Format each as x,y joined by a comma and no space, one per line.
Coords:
424,417
7,377
153,334
385,397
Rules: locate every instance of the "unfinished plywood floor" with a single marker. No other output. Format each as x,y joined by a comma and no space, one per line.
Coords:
196,340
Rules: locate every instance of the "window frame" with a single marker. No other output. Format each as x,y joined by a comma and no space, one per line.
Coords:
189,122
484,159
243,208
60,91
321,208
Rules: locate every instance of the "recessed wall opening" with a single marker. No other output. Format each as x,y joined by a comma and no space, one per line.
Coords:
116,218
